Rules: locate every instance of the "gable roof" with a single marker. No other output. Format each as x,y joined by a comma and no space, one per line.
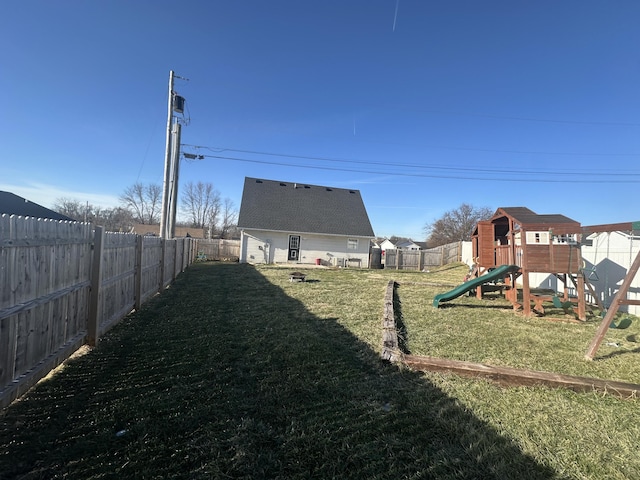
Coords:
12,204
407,244
304,208
529,220
525,216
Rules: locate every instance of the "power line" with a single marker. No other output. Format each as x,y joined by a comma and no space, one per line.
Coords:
549,179
598,174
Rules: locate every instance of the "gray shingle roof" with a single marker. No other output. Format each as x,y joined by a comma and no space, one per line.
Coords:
12,204
525,216
304,208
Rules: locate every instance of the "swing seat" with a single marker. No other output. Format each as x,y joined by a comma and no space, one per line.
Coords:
566,306
624,323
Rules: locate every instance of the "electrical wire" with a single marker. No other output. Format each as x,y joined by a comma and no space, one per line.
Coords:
425,175
558,173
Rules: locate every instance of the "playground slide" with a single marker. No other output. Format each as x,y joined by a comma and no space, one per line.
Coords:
495,274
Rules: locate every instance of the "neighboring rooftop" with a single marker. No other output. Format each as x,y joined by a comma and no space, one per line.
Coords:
12,204
300,207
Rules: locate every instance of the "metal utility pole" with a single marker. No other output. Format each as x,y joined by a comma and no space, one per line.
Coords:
164,214
171,162
173,184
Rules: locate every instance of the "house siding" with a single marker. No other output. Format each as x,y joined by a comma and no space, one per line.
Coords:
261,246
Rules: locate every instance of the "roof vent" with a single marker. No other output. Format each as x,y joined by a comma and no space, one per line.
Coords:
258,181
351,191
283,184
307,186
329,190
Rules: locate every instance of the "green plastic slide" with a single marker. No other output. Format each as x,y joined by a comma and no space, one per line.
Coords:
495,274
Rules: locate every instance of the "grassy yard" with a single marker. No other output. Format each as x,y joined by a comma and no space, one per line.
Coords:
235,372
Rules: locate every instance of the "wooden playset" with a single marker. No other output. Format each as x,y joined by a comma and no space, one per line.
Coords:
534,243
551,244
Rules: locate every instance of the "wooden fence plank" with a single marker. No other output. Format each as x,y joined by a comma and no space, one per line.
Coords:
58,294
96,284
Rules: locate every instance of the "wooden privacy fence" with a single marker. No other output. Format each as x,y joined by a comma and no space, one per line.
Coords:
420,259
64,284
218,249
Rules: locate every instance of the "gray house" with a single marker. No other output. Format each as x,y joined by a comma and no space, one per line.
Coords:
287,222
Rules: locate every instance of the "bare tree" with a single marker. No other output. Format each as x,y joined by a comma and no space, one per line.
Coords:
79,211
76,209
229,218
116,219
455,225
144,201
201,204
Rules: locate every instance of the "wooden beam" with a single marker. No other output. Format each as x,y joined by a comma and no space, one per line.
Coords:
521,377
390,347
620,296
629,302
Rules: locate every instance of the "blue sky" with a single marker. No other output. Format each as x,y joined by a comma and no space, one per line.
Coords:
421,105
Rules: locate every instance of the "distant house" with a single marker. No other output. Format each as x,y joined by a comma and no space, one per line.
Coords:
407,244
12,204
287,222
387,244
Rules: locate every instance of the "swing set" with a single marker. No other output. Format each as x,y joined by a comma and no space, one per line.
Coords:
620,298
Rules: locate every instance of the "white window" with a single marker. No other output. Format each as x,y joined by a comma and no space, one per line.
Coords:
352,244
564,239
538,237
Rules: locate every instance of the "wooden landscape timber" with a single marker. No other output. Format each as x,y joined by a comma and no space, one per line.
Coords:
506,376
512,377
390,348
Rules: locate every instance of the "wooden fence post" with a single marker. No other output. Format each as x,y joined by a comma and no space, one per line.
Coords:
93,322
442,255
138,274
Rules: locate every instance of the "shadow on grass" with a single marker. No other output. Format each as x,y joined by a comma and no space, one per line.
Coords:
224,376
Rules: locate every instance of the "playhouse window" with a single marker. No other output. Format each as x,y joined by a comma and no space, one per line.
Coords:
352,244
563,239
538,238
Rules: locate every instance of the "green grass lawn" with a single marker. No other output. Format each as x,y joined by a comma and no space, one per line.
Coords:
235,372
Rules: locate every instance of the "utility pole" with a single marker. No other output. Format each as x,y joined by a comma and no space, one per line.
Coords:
171,163
164,214
173,184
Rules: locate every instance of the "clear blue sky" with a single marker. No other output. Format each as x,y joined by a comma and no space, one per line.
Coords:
421,105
